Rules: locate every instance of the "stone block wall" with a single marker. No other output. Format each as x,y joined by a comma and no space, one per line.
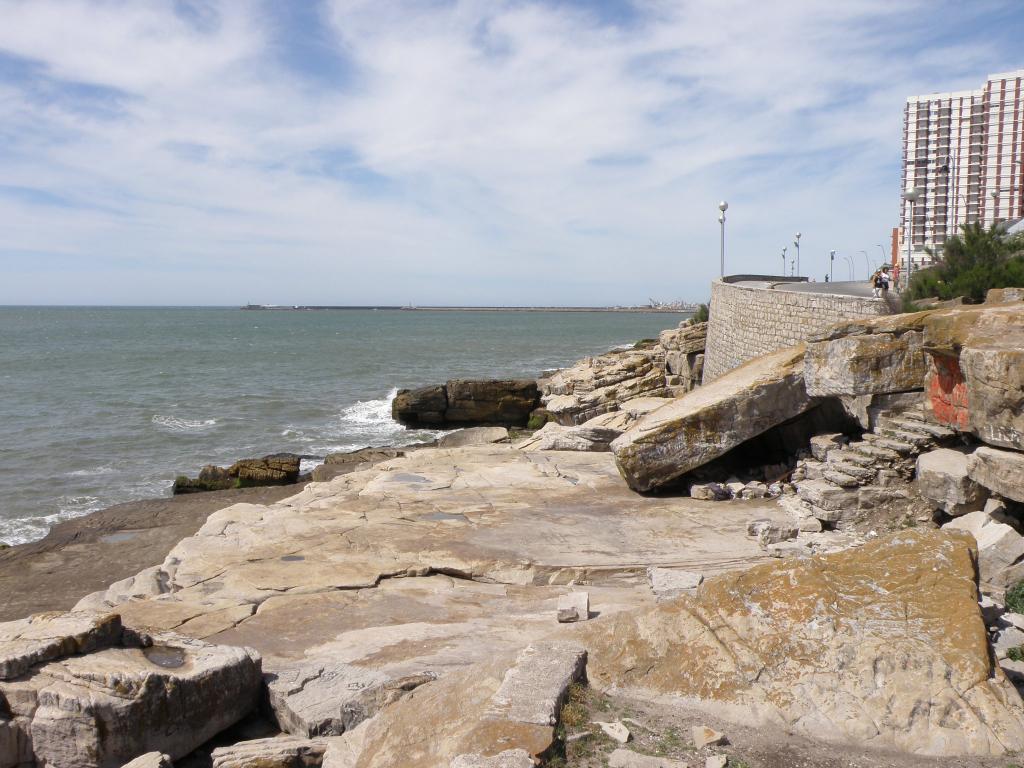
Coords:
748,321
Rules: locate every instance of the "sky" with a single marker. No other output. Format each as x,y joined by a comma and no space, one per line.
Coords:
489,152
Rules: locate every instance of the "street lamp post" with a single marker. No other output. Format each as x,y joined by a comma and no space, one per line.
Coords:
796,242
723,207
849,265
882,251
783,261
831,263
866,262
912,195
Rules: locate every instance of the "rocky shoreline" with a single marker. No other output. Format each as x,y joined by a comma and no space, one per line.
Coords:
788,560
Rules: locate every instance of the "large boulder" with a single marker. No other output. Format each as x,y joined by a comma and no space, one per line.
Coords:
866,364
276,469
707,422
468,402
277,752
976,377
491,401
102,706
423,407
994,377
943,479
881,646
1002,472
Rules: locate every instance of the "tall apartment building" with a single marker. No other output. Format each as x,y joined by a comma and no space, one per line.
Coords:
964,152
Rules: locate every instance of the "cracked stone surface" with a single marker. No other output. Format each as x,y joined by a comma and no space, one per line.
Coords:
109,705
419,566
882,646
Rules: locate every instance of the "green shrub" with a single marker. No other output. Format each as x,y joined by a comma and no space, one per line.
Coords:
972,262
1015,654
701,315
1015,597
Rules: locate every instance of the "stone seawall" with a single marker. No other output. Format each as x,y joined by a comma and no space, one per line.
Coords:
753,315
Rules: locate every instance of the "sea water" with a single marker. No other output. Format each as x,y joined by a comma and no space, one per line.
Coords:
104,405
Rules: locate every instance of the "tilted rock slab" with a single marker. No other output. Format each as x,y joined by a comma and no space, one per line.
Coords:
942,478
278,752
866,364
505,707
48,636
1002,472
110,705
882,646
709,421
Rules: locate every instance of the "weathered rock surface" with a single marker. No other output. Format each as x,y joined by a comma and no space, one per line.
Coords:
705,423
276,469
573,606
423,564
467,402
48,636
625,758
150,760
994,376
942,478
278,752
423,407
322,697
473,436
342,463
507,706
882,646
667,583
866,364
108,705
1002,472
555,437
597,385
684,355
999,545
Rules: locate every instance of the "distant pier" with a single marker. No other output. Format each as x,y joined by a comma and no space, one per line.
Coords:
684,309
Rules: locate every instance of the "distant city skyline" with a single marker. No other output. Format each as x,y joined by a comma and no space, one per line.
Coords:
457,152
964,153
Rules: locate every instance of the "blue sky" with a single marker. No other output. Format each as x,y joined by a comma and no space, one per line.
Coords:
456,151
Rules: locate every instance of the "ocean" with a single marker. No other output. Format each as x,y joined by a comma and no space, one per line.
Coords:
102,405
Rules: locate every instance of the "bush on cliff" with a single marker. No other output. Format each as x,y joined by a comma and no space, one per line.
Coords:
972,262
701,315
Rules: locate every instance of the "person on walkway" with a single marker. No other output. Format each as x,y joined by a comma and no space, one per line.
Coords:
880,282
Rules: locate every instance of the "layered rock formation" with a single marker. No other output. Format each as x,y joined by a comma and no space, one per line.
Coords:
275,469
466,402
78,690
706,423
835,647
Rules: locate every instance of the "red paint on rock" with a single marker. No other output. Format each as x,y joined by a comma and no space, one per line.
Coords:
947,391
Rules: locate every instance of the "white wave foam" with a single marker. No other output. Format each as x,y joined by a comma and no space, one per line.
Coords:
26,529
369,423
174,424
91,472
308,465
623,347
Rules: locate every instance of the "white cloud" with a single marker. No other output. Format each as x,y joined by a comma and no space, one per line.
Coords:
506,152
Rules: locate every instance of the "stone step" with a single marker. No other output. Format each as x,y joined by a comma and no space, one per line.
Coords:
826,496
841,479
917,414
879,454
850,469
935,430
813,469
851,456
917,439
901,447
